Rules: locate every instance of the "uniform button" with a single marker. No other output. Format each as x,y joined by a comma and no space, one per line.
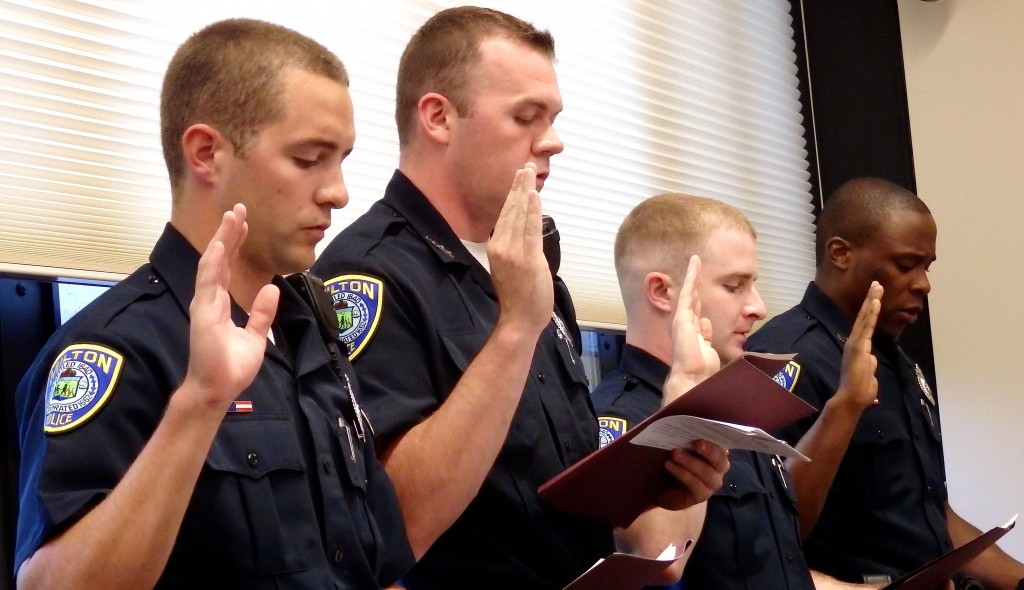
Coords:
732,487
881,434
565,443
928,489
154,279
338,555
542,377
252,459
789,556
327,466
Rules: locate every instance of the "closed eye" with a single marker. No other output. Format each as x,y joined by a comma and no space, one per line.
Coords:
306,163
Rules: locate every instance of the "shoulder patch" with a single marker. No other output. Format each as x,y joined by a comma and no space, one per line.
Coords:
789,375
609,429
358,302
80,383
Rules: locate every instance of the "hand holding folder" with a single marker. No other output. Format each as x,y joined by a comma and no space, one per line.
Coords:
618,482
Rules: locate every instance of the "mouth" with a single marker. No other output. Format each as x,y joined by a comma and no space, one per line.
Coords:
318,231
909,314
541,177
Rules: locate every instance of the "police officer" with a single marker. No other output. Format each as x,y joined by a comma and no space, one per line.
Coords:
886,512
752,536
166,442
472,379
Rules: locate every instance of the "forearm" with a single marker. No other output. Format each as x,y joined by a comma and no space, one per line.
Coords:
125,541
994,568
656,529
438,466
825,443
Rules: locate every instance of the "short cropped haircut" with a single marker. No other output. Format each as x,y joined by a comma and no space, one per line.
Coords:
228,75
661,233
441,55
859,208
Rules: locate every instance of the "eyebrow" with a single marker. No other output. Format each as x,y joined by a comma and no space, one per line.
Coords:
739,275
530,101
316,143
321,144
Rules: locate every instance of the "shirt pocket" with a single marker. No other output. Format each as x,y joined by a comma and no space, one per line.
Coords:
462,346
353,452
263,461
880,462
570,360
738,509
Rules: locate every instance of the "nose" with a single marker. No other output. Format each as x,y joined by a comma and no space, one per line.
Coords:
755,307
549,143
334,193
921,284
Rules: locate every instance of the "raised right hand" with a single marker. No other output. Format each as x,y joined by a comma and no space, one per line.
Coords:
857,382
515,252
693,357
223,358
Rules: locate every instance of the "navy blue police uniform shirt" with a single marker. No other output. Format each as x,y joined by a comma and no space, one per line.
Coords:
285,499
751,535
884,514
414,309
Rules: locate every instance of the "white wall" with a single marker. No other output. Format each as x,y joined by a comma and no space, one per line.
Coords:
964,62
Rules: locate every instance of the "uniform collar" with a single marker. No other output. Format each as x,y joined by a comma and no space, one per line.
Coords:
405,198
644,366
175,261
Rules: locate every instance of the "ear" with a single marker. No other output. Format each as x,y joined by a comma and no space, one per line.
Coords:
202,145
658,292
435,114
839,252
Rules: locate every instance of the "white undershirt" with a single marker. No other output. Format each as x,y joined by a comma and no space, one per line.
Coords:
479,251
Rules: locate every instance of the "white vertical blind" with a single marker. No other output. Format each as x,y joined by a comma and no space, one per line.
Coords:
696,96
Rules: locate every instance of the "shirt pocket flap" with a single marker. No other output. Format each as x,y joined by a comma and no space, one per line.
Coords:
741,480
879,428
463,346
254,448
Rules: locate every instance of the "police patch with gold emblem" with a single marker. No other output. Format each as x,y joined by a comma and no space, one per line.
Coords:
609,429
358,303
788,376
81,381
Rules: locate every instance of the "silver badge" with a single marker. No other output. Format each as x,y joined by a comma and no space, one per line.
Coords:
924,384
563,335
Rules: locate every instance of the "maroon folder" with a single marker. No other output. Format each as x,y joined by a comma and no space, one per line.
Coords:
620,481
932,575
620,571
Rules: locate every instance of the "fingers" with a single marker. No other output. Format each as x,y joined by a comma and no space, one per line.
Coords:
699,471
688,292
520,205
208,275
706,330
232,229
264,308
688,302
867,317
214,264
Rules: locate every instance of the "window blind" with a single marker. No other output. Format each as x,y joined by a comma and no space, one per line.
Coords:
696,96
